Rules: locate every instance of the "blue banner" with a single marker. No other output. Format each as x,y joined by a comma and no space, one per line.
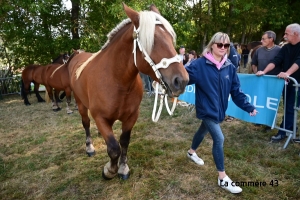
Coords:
263,92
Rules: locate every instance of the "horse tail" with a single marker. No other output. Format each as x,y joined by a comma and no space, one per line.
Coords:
47,99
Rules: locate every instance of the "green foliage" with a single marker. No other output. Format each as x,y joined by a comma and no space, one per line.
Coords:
35,31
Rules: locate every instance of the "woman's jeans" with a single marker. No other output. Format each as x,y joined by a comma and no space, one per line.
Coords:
215,131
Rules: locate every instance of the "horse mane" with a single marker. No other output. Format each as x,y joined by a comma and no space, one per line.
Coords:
56,59
56,70
113,32
147,23
84,64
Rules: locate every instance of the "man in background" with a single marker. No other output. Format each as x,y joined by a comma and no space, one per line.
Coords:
182,55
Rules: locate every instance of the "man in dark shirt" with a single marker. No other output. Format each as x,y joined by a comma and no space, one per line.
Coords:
289,58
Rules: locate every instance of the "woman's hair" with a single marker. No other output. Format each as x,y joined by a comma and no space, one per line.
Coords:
218,37
193,52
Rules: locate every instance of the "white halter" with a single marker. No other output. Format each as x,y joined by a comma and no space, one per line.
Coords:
164,63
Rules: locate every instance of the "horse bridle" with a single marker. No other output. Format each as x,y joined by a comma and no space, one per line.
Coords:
164,63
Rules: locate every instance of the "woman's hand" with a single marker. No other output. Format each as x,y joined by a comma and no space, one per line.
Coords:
254,112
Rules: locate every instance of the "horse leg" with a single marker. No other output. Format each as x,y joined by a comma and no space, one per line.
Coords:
123,171
62,95
37,94
90,150
24,91
56,95
68,96
110,170
55,107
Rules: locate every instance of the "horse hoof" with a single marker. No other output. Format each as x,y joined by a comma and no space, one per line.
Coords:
41,100
90,154
105,177
124,176
27,104
57,109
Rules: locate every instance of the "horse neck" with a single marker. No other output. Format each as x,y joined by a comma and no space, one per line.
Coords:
124,66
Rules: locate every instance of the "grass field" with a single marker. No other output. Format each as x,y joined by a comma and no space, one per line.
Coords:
42,156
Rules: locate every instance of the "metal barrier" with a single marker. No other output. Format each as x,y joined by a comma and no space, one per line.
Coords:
10,85
290,134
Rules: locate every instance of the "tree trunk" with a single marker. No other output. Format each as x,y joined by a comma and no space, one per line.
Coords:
75,23
230,17
206,30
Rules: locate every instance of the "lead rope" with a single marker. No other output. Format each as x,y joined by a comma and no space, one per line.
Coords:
162,97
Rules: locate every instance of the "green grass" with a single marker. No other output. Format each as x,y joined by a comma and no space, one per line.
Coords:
42,156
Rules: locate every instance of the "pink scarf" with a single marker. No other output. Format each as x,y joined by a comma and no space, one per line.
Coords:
218,64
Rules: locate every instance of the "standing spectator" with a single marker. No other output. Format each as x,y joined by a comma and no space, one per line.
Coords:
182,55
215,78
239,50
235,59
245,53
147,83
263,55
192,56
289,58
234,56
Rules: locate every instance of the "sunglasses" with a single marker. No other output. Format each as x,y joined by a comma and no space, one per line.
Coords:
220,45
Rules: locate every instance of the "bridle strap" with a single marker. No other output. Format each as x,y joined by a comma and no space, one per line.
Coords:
163,64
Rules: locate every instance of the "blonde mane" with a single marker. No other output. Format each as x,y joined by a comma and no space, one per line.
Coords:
81,68
147,23
56,70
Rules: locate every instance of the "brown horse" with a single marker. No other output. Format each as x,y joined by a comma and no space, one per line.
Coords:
32,73
57,77
108,83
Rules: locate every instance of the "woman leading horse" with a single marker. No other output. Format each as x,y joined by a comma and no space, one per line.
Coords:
112,88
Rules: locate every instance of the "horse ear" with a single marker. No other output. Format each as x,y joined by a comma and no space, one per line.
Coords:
132,14
154,9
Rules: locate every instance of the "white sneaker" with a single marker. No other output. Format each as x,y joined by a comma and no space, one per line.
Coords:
229,185
195,158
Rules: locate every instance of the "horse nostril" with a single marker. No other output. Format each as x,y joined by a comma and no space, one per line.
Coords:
177,83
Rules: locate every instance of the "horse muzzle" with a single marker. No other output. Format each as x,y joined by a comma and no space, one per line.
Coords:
176,87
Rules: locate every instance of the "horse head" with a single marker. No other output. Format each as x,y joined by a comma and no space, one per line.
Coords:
154,52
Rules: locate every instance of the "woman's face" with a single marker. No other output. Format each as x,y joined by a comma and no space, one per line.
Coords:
219,49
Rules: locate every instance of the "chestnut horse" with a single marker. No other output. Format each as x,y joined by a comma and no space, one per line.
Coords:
57,77
108,84
32,73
